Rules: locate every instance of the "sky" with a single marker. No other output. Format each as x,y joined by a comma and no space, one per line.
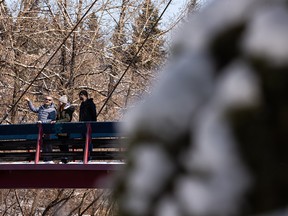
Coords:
177,6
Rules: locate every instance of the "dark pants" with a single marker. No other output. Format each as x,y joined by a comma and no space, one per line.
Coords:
64,146
46,147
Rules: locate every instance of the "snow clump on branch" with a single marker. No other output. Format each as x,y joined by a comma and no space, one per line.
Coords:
212,139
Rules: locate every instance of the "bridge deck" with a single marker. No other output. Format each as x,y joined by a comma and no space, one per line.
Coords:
21,157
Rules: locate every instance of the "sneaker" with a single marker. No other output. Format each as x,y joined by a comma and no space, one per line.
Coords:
64,160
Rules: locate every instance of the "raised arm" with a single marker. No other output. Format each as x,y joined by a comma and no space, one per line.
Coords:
31,106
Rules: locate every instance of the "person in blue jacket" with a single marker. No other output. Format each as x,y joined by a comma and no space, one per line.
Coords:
46,114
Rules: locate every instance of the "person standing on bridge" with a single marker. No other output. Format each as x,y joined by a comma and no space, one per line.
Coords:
64,114
46,114
87,113
87,107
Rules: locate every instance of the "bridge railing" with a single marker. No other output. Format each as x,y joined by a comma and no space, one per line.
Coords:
23,142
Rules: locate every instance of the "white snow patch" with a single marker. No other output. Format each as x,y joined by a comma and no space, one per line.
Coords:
217,17
238,86
168,206
267,34
151,168
167,113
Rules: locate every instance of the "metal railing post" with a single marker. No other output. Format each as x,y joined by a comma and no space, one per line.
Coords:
87,143
39,143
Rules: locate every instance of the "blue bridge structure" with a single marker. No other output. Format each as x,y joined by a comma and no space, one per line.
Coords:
21,155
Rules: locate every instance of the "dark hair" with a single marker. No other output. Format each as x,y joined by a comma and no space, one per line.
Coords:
83,92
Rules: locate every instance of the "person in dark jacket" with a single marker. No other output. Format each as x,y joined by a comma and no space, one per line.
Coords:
87,113
87,107
65,110
64,114
46,114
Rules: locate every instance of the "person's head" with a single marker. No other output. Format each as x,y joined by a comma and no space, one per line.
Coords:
83,95
63,100
48,100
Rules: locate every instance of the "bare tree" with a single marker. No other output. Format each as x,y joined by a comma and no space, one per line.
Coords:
145,30
93,58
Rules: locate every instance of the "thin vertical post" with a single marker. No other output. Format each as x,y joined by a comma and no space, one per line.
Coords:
39,143
88,142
